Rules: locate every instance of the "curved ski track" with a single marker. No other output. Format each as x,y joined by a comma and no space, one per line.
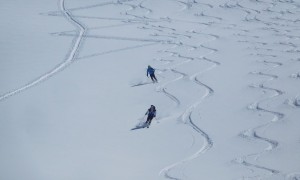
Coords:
172,35
186,117
69,60
252,15
80,35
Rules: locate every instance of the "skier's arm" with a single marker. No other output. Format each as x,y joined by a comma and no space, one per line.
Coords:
147,112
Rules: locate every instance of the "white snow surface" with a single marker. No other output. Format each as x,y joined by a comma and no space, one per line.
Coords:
74,88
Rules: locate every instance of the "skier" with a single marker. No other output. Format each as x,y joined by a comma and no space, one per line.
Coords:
150,71
151,112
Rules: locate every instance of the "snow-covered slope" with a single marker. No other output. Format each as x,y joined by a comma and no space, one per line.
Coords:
74,87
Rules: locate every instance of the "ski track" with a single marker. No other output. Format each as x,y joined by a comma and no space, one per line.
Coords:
119,38
293,176
76,44
186,117
297,102
115,50
69,60
252,16
164,32
171,36
256,106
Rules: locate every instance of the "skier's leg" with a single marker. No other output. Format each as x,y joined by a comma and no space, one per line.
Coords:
152,78
150,120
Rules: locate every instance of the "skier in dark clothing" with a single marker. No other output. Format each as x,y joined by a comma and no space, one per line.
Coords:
150,71
151,114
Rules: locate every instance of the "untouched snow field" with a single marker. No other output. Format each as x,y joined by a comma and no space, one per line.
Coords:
74,87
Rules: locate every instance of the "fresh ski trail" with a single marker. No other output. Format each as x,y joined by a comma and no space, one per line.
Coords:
72,55
186,117
164,33
252,16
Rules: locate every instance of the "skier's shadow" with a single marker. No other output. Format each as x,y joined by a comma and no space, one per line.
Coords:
139,126
141,84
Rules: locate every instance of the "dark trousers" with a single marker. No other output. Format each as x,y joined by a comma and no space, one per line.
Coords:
153,77
149,119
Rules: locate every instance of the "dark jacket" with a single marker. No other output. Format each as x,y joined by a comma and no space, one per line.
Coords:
151,112
150,71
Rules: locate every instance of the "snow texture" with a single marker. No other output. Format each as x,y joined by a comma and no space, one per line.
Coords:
74,89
